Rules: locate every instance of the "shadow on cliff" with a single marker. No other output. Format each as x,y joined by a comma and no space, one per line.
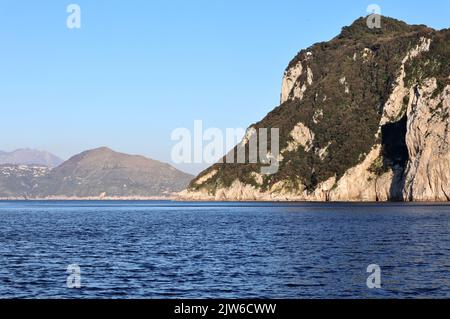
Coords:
395,155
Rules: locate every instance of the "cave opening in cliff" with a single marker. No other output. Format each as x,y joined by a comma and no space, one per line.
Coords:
395,154
393,138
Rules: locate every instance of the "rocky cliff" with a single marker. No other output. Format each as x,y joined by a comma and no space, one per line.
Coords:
363,117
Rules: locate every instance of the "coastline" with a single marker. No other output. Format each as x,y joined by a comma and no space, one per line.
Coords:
90,198
246,201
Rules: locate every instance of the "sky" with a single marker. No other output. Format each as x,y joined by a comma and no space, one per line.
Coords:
137,70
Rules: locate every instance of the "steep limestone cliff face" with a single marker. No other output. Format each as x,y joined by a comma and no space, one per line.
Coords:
427,175
292,85
363,117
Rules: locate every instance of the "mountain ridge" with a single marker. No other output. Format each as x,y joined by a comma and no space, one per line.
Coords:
99,173
29,156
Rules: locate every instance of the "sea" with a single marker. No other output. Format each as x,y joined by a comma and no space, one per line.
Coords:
167,249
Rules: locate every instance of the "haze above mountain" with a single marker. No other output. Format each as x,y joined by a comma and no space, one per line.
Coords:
28,156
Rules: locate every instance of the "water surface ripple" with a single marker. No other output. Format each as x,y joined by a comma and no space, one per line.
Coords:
223,250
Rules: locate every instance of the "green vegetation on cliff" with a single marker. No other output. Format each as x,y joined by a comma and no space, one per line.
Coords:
352,78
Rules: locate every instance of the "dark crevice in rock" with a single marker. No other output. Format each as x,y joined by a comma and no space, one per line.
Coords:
395,154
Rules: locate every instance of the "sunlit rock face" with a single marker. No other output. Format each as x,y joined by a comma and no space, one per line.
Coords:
363,117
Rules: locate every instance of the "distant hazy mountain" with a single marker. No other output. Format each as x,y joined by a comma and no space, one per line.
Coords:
28,157
103,172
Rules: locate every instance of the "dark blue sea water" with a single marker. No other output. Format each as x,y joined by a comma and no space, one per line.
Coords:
226,250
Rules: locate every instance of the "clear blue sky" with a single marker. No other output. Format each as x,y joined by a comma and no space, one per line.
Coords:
138,69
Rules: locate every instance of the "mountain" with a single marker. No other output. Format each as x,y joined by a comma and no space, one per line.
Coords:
28,157
103,172
93,174
362,117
